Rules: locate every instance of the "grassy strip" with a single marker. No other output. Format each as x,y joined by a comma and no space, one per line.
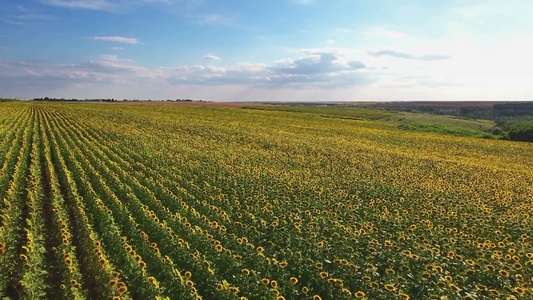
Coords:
328,111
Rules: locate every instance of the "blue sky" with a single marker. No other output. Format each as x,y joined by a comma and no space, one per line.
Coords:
294,50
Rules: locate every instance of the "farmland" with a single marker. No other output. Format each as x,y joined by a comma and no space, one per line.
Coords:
147,201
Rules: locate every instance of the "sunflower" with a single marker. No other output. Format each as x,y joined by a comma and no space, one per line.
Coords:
454,287
294,280
520,290
346,292
504,273
153,281
359,294
265,281
122,289
390,287
317,297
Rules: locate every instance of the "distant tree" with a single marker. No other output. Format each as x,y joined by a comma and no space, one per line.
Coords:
521,133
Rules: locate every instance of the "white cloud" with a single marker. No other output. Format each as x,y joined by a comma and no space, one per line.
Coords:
116,48
398,54
313,63
106,5
15,22
211,57
118,39
26,16
31,72
216,19
22,9
32,17
387,34
305,2
169,2
81,4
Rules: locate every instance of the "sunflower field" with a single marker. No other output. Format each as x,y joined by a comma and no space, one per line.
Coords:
154,201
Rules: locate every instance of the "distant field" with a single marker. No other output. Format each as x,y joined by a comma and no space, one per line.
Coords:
436,104
442,124
412,118
160,201
329,111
